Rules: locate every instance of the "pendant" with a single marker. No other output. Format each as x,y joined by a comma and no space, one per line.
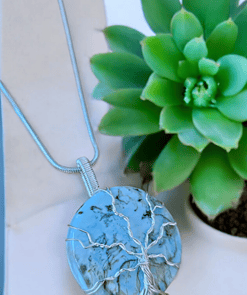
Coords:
122,241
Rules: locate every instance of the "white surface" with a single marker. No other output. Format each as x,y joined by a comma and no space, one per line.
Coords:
37,253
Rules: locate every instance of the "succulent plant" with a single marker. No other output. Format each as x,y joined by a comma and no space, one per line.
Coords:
180,98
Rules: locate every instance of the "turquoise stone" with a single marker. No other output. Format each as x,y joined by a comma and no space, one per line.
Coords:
120,236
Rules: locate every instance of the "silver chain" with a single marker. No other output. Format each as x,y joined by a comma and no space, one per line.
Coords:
81,96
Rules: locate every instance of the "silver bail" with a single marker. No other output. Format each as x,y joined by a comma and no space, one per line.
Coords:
88,176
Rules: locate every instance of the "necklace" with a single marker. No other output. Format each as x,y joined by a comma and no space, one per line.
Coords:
121,241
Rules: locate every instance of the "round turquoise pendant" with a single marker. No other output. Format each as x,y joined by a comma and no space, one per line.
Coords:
122,241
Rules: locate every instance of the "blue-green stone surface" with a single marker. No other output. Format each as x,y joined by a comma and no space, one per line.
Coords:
139,226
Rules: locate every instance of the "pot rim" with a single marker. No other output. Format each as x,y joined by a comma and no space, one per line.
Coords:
212,232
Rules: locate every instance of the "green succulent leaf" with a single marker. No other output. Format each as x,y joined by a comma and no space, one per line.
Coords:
174,164
101,90
192,137
208,67
222,40
158,13
234,107
162,55
122,122
217,128
210,13
241,43
124,39
238,157
142,149
187,69
195,49
129,98
232,74
184,27
131,144
120,70
175,119
162,92
214,184
235,8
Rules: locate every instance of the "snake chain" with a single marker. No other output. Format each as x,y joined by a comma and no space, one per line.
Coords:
82,99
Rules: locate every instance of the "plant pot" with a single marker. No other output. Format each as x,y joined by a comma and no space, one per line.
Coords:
213,235
212,262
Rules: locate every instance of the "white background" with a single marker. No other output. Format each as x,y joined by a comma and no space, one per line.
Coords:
128,13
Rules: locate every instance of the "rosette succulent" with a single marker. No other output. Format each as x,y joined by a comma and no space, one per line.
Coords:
180,98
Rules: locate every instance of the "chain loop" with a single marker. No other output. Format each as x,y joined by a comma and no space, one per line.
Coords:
88,176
